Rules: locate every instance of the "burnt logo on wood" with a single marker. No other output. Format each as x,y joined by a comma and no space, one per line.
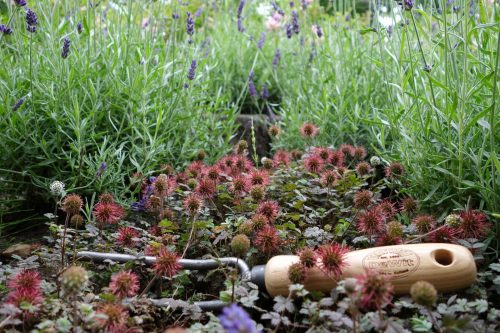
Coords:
393,263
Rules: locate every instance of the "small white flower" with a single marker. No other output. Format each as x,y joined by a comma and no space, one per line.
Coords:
264,9
375,160
57,188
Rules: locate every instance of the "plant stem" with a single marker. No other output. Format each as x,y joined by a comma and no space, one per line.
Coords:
64,240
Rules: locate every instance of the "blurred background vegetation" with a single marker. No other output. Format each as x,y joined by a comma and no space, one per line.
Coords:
419,86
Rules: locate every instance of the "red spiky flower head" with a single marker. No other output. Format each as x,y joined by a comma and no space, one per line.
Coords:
72,204
376,291
105,212
314,164
332,259
107,197
309,130
124,284
167,263
359,153
164,185
267,240
127,237
281,158
363,199
328,178
206,187
269,208
473,224
25,279
370,222
308,257
363,168
444,234
115,316
193,204
240,184
424,223
388,209
394,170
324,153
409,205
259,177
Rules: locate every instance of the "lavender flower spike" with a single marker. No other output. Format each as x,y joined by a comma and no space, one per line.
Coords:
79,27
20,3
31,20
240,8
261,41
189,24
277,57
5,29
66,48
235,320
192,70
18,104
295,22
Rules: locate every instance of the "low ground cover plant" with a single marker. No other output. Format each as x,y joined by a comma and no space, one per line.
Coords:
318,203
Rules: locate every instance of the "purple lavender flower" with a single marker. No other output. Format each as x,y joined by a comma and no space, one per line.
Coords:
312,55
20,3
390,30
319,31
261,41
18,104
289,30
408,4
31,20
348,17
235,320
79,27
252,90
5,29
295,22
456,8
265,92
277,8
192,70
189,24
240,8
292,4
277,57
241,28
251,75
304,4
66,48
175,16
102,167
198,12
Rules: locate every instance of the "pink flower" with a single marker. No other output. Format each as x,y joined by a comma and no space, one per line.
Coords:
240,185
328,178
376,291
127,237
193,204
337,158
332,259
270,209
259,177
206,187
473,224
324,153
124,284
281,157
167,263
309,130
274,21
314,164
105,212
424,223
370,222
267,240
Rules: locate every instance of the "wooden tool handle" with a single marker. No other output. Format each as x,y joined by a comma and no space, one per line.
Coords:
447,266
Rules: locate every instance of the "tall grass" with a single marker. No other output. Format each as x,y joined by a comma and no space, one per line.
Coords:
122,97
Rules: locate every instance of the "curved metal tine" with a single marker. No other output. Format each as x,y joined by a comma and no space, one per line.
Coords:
192,264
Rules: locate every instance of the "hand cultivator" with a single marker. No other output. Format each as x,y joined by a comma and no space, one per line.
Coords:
448,267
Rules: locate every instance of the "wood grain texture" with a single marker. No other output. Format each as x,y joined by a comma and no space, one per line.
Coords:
447,266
